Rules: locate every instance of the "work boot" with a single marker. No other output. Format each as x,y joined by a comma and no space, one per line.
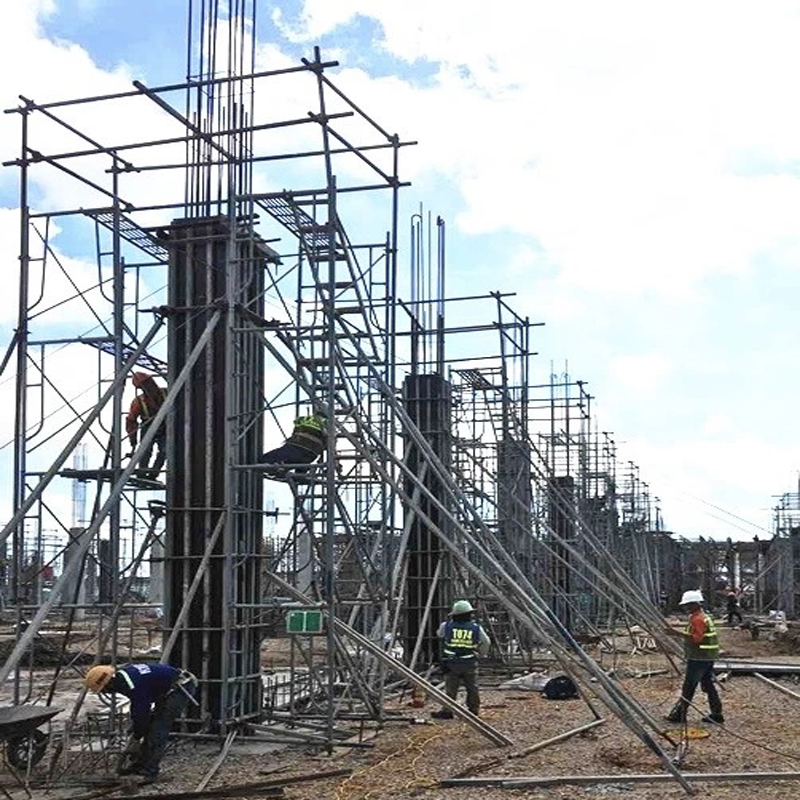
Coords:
677,713
716,718
442,713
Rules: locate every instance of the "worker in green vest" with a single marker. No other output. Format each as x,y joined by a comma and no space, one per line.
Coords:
306,444
701,648
463,640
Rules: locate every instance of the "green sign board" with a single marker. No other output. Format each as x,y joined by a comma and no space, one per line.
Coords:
304,620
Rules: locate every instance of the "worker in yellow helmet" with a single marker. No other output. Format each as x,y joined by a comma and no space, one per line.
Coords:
159,694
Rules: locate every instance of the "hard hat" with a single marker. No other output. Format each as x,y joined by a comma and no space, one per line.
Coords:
138,378
98,677
691,596
462,607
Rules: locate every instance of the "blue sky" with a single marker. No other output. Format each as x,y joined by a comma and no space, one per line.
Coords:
631,170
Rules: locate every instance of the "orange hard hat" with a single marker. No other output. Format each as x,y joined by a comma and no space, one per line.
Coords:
98,677
138,378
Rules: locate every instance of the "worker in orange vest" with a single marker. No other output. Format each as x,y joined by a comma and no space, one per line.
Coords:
701,648
144,407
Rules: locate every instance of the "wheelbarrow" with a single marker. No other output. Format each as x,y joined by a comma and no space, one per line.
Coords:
19,729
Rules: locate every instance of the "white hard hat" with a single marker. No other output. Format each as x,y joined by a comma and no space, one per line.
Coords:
691,596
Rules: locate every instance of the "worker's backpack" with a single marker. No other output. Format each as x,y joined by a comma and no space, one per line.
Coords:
562,687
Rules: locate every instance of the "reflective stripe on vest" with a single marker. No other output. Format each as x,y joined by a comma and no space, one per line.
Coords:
314,424
708,648
126,677
460,641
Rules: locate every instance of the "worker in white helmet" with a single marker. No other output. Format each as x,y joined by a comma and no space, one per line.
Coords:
463,640
701,647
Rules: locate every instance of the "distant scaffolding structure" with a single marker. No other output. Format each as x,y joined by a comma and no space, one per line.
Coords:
781,585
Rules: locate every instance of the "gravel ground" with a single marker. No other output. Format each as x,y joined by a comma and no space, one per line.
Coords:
408,759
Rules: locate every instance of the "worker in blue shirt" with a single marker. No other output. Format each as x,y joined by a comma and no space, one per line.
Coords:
159,693
306,444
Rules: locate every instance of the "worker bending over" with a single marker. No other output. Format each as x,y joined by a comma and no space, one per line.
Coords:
159,693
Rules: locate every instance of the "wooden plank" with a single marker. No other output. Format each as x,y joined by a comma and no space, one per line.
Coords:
560,738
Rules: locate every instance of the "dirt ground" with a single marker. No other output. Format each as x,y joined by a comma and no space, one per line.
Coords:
411,755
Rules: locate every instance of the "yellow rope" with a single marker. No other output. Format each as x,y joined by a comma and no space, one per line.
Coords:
418,742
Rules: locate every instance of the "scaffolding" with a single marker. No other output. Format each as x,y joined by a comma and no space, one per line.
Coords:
781,584
248,304
449,470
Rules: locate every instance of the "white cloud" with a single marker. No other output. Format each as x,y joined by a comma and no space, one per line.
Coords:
717,425
62,70
645,157
692,476
317,18
607,131
642,374
642,156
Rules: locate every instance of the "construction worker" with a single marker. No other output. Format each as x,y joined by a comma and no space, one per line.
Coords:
149,399
159,694
732,606
701,647
306,444
463,640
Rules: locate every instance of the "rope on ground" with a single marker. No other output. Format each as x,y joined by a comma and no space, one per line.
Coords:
725,728
414,742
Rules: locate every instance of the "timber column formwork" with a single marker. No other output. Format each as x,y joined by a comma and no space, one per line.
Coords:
428,401
216,266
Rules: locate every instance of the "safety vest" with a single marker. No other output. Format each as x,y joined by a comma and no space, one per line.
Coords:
309,432
312,424
460,641
708,648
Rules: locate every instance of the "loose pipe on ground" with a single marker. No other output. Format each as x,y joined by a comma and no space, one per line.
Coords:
475,722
